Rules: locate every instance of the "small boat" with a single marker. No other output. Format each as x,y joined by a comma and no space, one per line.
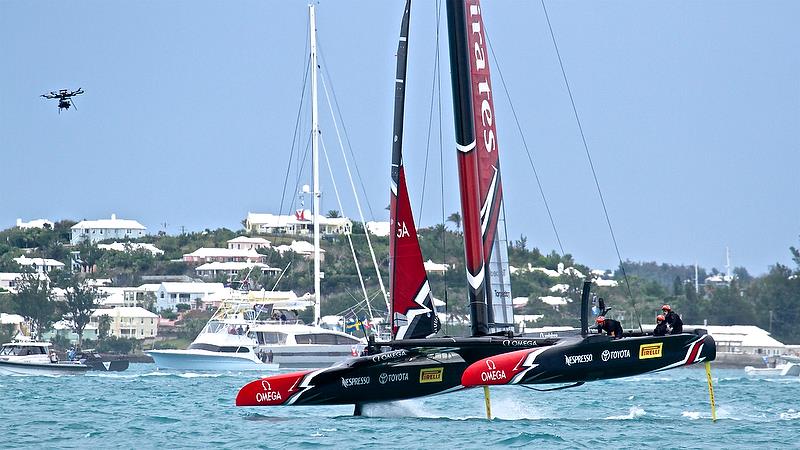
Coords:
789,367
244,335
24,357
103,363
223,344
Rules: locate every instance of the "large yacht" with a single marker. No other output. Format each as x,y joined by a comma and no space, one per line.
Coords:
25,357
259,334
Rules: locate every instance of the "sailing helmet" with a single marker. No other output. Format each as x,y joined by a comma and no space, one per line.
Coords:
600,319
660,317
666,308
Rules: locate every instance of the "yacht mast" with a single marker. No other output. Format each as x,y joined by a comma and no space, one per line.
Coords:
315,160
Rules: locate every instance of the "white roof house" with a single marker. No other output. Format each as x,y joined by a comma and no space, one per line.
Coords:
209,254
41,265
378,228
299,223
36,223
9,280
554,301
747,339
231,268
131,246
248,243
432,267
304,248
100,230
170,294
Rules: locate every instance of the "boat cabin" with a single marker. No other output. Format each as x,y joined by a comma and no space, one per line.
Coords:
25,348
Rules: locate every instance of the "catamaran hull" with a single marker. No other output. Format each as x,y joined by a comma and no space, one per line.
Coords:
202,360
47,369
375,381
590,359
437,368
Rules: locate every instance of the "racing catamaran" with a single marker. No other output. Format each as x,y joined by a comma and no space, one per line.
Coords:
414,363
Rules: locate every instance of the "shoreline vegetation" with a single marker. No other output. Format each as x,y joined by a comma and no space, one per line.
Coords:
770,301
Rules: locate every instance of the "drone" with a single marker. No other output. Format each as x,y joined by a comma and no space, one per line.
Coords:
64,97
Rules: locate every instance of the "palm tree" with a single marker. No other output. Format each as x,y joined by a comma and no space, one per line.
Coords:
333,214
455,218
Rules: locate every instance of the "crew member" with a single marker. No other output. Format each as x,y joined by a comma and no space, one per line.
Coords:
610,326
661,326
673,320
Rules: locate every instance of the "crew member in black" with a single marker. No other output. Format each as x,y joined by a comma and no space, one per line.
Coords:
661,326
610,326
673,320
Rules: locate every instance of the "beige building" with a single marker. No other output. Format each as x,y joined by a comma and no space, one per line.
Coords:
128,322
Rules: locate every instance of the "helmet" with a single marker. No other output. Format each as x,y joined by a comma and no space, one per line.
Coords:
600,319
660,317
666,308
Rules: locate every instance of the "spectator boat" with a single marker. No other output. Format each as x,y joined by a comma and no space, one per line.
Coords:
251,335
25,357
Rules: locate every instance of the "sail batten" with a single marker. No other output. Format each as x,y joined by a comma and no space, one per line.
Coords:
413,314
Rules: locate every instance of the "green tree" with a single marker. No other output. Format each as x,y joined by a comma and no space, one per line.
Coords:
81,300
103,326
333,214
455,219
90,254
34,301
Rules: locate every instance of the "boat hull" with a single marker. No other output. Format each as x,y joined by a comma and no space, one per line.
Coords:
590,359
201,360
48,369
444,366
788,370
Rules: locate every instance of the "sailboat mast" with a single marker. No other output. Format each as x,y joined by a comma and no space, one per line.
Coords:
467,165
397,153
315,160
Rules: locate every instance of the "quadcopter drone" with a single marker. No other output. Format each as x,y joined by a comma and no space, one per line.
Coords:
64,97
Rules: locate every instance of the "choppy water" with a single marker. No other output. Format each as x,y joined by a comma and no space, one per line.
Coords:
143,408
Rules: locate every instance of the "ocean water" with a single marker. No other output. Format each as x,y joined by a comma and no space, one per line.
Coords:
144,408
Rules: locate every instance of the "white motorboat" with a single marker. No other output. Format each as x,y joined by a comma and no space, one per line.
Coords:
223,344
242,335
790,367
295,345
24,357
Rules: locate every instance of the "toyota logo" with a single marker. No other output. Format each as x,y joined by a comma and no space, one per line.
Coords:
383,378
606,355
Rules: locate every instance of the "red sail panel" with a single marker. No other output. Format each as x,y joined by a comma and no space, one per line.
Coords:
413,314
492,219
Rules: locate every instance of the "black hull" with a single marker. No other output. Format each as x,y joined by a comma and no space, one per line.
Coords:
448,364
108,366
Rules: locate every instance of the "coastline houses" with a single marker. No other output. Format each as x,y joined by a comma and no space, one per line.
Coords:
170,295
299,223
248,243
303,248
131,247
40,265
230,269
126,322
209,254
99,230
36,223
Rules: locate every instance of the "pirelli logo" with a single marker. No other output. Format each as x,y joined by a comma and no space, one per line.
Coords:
647,351
434,375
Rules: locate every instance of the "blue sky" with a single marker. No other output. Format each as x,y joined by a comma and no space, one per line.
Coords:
691,111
